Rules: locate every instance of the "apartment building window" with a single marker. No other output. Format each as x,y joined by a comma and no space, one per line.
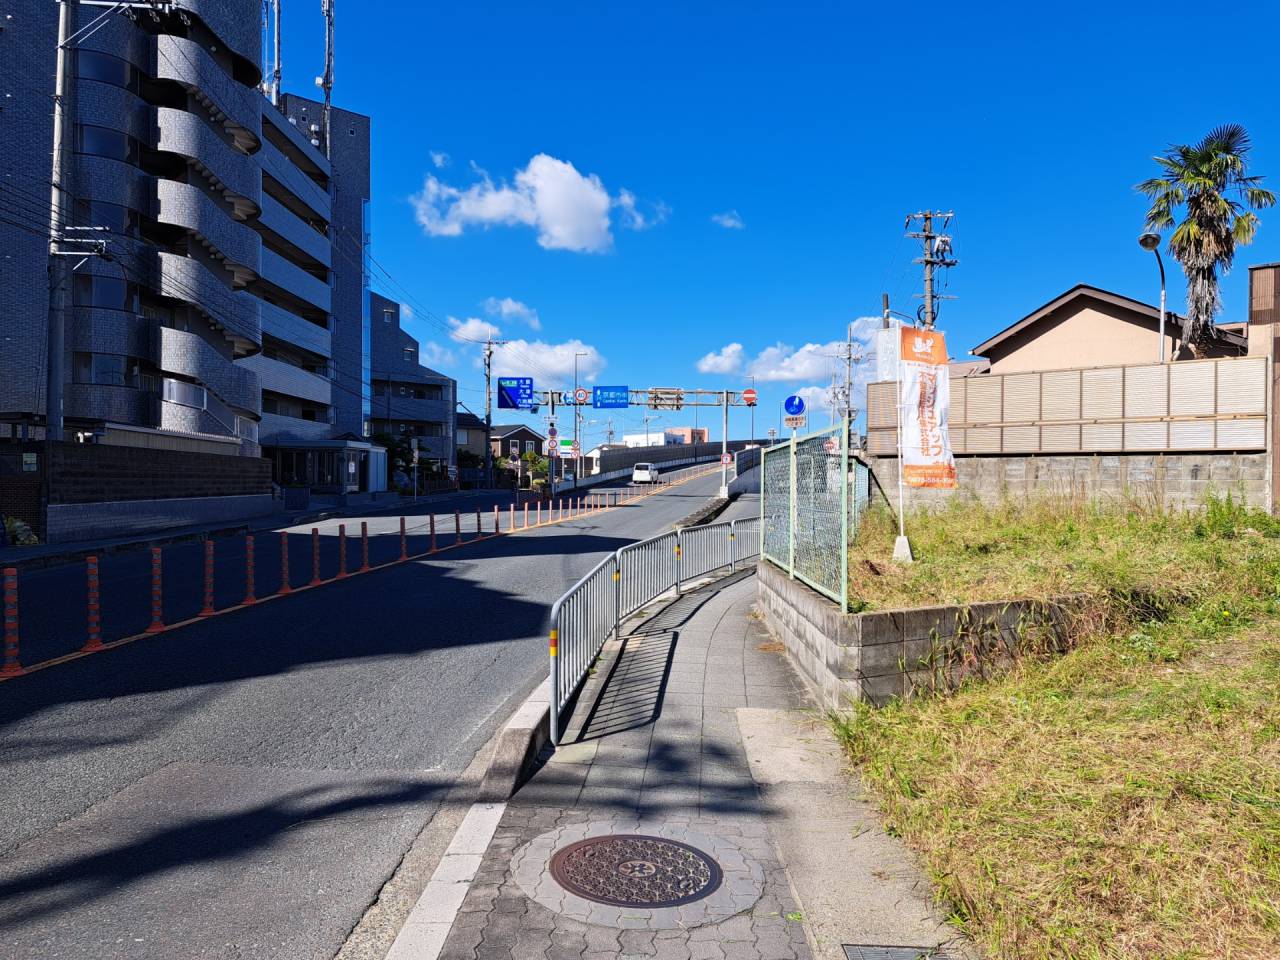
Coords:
116,218
433,391
109,370
109,293
185,394
92,65
433,429
105,142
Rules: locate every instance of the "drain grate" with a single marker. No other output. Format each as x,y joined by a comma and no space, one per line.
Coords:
636,871
870,951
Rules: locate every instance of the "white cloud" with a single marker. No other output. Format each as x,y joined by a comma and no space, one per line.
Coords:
406,312
816,398
633,218
439,159
547,361
434,355
570,211
509,309
730,220
726,360
813,361
472,330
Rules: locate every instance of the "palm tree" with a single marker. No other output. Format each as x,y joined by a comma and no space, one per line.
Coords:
1210,180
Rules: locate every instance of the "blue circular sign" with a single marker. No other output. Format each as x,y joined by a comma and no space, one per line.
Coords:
794,405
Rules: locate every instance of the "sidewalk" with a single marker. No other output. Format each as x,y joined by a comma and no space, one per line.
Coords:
695,809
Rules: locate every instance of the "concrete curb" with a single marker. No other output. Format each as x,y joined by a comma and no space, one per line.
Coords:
518,746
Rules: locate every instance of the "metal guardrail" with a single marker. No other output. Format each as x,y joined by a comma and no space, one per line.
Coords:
623,582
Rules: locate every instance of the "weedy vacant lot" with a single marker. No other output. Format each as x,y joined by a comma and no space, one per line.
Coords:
1122,800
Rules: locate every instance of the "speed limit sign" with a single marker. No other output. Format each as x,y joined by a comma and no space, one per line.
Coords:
580,395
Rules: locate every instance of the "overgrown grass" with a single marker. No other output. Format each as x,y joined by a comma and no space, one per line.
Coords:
1122,800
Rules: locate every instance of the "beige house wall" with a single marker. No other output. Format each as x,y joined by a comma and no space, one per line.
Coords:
1075,335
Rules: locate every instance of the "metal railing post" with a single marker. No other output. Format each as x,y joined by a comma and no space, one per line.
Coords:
791,514
554,679
679,537
617,594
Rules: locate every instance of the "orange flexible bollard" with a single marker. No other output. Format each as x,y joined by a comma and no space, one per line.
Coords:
537,515
315,557
12,663
433,533
284,563
249,597
479,529
511,517
526,515
94,613
404,542
157,606
457,526
342,550
364,546
208,609
496,529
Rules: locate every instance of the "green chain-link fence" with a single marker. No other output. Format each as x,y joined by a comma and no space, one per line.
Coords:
812,496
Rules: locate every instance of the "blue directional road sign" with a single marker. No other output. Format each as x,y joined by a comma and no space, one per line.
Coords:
794,405
515,393
610,398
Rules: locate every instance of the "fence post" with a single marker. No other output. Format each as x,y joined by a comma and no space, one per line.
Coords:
315,557
94,641
342,550
679,536
364,546
208,609
844,514
249,597
12,664
617,594
404,542
733,548
791,514
554,679
157,606
284,562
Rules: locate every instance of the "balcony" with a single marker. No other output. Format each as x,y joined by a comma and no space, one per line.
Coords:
305,190
283,222
186,62
230,171
291,328
187,206
237,312
280,377
186,354
274,428
279,272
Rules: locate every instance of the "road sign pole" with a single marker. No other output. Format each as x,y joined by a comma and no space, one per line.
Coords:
724,445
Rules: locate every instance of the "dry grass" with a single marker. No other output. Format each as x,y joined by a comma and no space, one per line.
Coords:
1122,800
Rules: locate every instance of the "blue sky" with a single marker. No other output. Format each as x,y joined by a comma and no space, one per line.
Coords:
579,153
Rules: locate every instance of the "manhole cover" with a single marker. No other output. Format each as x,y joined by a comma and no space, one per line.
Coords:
636,871
867,951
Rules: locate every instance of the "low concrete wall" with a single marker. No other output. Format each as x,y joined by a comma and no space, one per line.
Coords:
895,653
1177,480
68,522
746,482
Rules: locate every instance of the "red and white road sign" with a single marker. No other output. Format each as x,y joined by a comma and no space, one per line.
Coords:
831,445
749,396
580,395
726,458
577,448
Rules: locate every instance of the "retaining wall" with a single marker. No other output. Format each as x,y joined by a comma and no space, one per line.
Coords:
885,654
1176,480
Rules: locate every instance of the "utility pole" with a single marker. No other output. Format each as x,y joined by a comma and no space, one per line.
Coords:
724,445
326,81
60,269
489,344
937,253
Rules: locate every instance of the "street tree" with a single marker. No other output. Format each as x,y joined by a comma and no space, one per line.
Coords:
1208,185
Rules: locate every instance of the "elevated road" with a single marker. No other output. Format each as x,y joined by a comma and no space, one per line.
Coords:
242,787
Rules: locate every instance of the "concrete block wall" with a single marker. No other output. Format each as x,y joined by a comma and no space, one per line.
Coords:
99,473
882,655
1179,481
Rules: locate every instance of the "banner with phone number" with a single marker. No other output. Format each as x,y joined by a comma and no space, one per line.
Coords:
925,397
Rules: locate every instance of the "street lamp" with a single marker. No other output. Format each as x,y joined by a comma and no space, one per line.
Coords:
1151,241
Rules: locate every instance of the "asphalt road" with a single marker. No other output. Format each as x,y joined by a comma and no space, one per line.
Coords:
243,786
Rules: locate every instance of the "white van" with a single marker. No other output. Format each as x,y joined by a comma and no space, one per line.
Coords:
644,473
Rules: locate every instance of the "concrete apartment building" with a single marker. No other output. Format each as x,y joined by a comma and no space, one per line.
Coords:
409,398
230,314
